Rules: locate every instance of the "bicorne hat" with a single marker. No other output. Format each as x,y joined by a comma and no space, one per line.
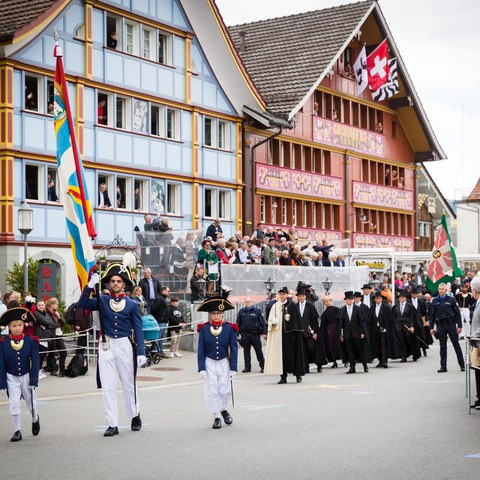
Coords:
218,303
119,270
16,313
349,295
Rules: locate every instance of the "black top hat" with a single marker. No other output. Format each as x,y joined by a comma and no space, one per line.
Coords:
120,271
358,294
415,290
403,293
349,295
16,313
378,294
367,285
301,290
283,290
215,304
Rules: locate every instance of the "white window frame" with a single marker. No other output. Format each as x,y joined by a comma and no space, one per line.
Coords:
262,209
131,40
281,154
53,171
173,200
292,156
212,132
110,108
118,28
223,135
40,178
143,187
167,47
295,213
213,202
110,181
304,213
424,229
40,92
224,211
148,52
125,114
127,193
159,115
314,215
176,123
284,211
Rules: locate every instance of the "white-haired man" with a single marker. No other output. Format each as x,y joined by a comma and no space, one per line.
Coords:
475,332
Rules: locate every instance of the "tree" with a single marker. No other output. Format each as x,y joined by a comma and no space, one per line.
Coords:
14,277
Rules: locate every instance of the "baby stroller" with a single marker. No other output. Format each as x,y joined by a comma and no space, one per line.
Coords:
151,332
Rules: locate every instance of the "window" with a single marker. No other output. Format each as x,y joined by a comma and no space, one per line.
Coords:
164,46
103,196
222,135
50,96
140,195
173,199
114,32
173,123
39,94
304,213
123,193
32,91
281,161
295,213
262,209
424,229
34,183
52,185
104,107
314,215
208,140
148,36
157,122
131,38
224,204
284,211
122,113
210,207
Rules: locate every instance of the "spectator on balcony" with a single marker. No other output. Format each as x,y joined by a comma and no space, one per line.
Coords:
315,109
242,255
208,258
270,252
112,40
103,198
256,250
214,229
224,255
259,232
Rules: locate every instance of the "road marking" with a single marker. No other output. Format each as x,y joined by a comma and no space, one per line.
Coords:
473,455
434,381
102,428
360,393
263,407
332,387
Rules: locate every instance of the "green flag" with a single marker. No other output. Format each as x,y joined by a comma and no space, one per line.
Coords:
443,266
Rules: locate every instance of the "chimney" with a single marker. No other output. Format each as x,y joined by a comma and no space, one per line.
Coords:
242,34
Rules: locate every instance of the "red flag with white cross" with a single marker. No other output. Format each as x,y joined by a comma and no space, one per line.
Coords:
377,66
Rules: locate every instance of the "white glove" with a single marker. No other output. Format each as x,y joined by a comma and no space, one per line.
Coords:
232,374
94,279
203,373
141,360
274,321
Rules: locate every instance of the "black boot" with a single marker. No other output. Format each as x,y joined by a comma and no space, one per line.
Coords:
226,417
36,426
217,423
136,423
283,379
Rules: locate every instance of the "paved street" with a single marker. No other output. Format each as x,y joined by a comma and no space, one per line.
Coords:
404,422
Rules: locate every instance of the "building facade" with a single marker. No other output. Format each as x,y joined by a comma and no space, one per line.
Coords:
157,124
347,171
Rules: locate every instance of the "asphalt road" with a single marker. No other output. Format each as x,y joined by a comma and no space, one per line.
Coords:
400,423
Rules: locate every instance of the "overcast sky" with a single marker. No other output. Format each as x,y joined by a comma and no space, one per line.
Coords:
438,41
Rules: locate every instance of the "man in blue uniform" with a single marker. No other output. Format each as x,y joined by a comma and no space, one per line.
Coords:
120,315
217,357
19,365
252,325
445,315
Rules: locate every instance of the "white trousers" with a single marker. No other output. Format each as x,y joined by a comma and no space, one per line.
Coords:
465,315
118,358
19,387
217,384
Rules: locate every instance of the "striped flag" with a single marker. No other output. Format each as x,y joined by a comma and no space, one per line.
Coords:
390,87
78,212
443,267
360,70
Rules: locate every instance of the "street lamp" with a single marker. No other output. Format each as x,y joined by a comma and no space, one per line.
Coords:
269,286
327,286
25,226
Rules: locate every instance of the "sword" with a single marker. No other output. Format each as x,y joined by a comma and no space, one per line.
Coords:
416,336
233,398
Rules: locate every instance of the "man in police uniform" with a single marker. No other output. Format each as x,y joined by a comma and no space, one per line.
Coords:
120,315
19,367
217,357
252,325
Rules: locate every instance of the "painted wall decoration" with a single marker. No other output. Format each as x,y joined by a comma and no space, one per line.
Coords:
157,196
279,179
399,244
140,116
345,136
381,196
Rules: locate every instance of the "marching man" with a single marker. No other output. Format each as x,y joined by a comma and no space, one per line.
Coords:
19,364
120,315
217,357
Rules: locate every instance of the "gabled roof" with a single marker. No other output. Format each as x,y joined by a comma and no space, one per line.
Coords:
475,194
286,56
16,14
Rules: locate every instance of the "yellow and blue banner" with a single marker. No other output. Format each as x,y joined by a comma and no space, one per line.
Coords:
78,211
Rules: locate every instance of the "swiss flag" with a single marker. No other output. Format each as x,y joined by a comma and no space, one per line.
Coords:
377,66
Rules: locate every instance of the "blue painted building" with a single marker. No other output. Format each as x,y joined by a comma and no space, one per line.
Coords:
158,112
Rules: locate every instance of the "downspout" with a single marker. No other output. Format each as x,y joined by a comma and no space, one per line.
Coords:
348,230
267,139
475,208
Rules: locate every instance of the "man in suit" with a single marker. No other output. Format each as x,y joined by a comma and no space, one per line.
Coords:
312,343
353,332
103,199
381,318
419,342
150,288
404,317
367,297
